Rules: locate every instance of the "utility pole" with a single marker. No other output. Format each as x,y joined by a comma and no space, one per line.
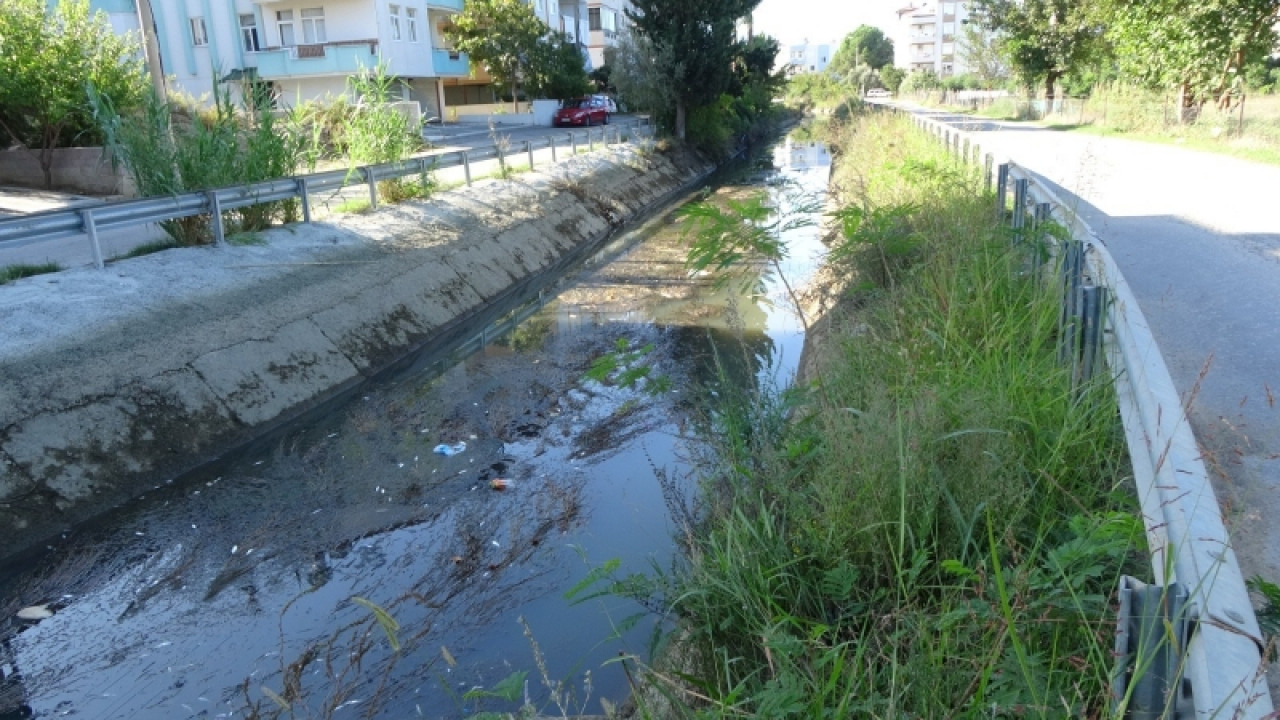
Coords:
151,47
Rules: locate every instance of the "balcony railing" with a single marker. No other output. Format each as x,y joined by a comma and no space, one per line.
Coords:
450,63
445,5
342,58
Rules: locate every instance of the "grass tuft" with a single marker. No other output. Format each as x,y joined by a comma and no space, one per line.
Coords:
9,273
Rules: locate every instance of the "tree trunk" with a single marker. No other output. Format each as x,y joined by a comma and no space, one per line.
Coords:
680,119
1049,81
46,156
515,104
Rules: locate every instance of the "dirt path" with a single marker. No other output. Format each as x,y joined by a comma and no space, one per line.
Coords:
1197,236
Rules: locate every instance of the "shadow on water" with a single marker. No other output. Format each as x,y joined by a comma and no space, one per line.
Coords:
342,567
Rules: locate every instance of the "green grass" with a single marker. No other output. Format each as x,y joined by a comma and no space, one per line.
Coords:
9,273
937,528
149,248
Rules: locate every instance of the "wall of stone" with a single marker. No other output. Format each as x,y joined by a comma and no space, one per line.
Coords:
75,170
114,382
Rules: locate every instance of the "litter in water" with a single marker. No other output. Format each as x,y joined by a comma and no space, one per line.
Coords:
453,449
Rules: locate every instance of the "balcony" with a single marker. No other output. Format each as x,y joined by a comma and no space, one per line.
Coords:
314,60
455,5
450,63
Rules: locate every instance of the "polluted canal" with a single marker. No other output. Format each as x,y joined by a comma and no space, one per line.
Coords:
385,557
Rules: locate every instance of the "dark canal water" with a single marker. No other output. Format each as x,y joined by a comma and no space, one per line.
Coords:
248,587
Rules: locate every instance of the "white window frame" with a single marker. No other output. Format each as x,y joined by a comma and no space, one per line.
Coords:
411,23
284,19
395,22
313,32
250,35
199,32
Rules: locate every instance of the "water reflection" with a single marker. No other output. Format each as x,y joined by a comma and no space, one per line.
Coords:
230,592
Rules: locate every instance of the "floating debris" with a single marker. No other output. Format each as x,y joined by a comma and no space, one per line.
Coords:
454,449
35,612
499,484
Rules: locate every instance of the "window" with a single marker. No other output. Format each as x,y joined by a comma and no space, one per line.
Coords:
313,25
199,33
593,19
411,23
284,21
395,22
249,33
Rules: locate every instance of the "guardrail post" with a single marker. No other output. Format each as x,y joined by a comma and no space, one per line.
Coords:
304,198
987,161
1019,208
964,156
552,139
591,142
373,187
215,207
466,166
91,229
1002,187
1091,305
528,146
1072,272
573,140
502,159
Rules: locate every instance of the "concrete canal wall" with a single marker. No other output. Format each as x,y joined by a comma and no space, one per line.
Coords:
115,381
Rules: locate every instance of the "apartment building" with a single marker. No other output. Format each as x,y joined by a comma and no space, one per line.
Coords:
928,34
294,50
809,57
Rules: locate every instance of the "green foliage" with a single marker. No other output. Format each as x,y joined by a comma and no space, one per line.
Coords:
636,73
557,69
892,76
694,46
390,626
820,89
938,531
9,273
921,80
170,153
866,45
377,132
501,36
1202,47
50,54
1042,40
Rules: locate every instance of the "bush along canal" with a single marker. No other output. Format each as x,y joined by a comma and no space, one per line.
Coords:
408,553
936,524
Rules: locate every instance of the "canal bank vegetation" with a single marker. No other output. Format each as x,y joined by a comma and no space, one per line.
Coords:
935,523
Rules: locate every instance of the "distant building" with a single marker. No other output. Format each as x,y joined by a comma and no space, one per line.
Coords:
295,50
928,34
809,57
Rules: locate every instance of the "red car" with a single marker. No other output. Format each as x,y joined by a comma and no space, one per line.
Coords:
582,111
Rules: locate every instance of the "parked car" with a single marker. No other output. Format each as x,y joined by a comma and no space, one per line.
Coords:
608,102
582,111
879,93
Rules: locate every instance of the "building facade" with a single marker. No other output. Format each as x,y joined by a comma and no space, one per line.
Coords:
296,50
809,57
928,37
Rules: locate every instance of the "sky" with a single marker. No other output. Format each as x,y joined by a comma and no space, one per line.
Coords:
818,21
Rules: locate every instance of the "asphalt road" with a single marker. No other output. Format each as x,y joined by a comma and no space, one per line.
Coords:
75,251
1197,235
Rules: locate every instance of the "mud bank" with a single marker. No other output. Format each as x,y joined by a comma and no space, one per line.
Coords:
114,382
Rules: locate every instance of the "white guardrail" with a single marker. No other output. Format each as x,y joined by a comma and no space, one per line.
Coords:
90,221
1210,648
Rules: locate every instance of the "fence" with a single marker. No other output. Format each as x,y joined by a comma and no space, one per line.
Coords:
91,221
1189,644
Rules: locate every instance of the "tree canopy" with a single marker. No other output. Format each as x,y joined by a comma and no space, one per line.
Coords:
1201,48
48,59
866,45
502,36
695,44
1042,40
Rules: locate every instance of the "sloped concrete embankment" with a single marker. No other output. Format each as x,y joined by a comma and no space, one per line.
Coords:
113,382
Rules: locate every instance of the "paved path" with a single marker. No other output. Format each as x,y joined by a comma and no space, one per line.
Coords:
1197,236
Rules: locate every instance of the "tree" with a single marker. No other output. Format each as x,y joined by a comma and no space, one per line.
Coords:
636,73
866,45
694,46
502,36
48,59
892,77
1041,39
979,53
1200,48
557,70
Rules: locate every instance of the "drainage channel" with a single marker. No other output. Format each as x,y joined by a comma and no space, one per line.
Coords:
414,542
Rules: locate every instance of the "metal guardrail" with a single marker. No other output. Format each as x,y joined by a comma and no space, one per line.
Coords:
90,221
1219,672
